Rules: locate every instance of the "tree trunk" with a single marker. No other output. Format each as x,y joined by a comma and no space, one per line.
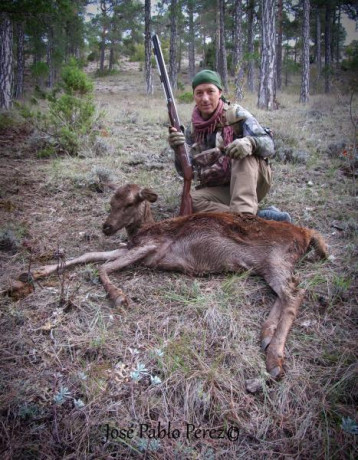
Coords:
173,66
148,48
217,37
49,57
338,44
238,65
20,69
191,40
318,42
115,33
103,49
304,96
223,58
103,37
237,53
279,45
111,57
267,90
204,46
250,46
6,61
327,51
179,56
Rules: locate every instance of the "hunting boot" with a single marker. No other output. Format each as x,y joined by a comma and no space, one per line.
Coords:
273,213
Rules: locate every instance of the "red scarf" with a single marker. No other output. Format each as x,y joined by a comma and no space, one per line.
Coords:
217,120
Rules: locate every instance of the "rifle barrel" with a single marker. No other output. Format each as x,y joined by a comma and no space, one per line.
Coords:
182,150
164,78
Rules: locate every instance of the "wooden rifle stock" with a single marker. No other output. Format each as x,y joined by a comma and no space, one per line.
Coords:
182,150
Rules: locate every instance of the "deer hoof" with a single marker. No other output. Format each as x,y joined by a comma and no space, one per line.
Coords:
276,373
19,290
121,301
274,364
265,342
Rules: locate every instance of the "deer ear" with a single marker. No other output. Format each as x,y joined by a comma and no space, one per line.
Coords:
147,194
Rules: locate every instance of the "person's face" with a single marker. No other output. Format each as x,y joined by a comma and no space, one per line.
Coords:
207,97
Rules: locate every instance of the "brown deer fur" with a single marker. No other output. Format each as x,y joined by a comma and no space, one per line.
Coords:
208,243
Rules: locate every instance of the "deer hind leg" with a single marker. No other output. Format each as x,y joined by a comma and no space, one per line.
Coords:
115,294
291,298
21,287
270,325
276,276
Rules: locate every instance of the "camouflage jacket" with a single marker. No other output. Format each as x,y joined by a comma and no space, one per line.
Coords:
214,168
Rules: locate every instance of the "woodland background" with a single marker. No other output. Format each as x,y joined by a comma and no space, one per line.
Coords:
240,39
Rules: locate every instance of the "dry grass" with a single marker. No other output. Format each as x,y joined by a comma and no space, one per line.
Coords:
74,370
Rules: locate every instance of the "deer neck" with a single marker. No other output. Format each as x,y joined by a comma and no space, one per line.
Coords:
145,219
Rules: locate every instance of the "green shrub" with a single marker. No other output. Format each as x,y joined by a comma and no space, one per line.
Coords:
70,114
39,70
6,120
106,72
24,111
138,53
10,119
75,80
46,152
92,57
209,56
180,85
73,112
351,61
186,97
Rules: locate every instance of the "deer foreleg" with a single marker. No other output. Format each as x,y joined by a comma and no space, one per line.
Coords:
115,294
24,286
47,270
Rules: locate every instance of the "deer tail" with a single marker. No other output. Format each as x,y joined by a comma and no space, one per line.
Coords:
319,245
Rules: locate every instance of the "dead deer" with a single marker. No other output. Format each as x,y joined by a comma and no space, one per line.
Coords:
208,243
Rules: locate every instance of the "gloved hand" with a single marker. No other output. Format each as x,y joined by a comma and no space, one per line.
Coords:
239,148
176,138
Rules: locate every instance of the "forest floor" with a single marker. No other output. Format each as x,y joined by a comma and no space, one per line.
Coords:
166,377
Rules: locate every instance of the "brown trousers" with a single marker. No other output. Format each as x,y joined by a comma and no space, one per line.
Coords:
251,180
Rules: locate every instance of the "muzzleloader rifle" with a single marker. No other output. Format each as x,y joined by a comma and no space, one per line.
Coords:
182,150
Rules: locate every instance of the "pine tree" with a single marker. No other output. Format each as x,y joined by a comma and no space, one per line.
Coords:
173,64
6,60
267,90
250,46
304,96
148,47
238,65
318,54
191,53
279,44
103,35
20,59
327,50
222,47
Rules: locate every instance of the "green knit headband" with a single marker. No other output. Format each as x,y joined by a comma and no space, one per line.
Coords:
207,76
